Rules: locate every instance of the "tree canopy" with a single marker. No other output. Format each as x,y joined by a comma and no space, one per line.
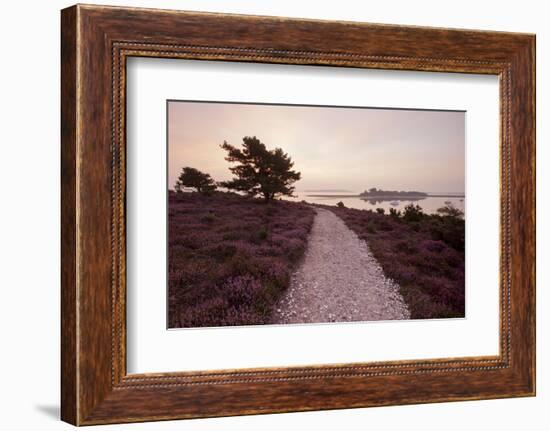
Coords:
260,171
193,178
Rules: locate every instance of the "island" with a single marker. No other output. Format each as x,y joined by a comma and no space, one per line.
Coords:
385,195
391,194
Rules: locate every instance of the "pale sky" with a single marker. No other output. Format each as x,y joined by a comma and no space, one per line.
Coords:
334,148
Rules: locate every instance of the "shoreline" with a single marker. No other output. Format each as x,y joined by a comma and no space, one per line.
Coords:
396,197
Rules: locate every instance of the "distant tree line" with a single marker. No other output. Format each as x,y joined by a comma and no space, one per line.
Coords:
379,192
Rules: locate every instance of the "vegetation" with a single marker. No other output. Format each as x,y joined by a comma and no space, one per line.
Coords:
231,257
423,253
374,192
450,211
260,171
413,213
193,178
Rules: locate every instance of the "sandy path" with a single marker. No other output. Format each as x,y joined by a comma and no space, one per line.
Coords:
339,280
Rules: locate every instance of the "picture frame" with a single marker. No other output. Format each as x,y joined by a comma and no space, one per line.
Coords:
96,42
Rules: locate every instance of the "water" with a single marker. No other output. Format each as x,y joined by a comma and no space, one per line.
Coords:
429,204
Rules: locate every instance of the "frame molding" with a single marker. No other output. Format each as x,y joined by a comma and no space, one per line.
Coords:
96,41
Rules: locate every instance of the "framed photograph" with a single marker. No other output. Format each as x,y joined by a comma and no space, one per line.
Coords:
263,214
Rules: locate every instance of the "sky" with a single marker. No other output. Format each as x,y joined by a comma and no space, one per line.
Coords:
334,148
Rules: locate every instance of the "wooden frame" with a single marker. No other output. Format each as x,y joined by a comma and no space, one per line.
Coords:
96,41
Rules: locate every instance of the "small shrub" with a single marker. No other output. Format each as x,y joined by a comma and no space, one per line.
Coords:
263,233
450,211
413,213
395,213
270,210
208,218
433,246
340,204
371,228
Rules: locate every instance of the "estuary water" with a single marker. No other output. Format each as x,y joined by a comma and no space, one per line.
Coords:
429,204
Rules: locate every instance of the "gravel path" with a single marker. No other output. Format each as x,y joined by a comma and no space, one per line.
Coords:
339,280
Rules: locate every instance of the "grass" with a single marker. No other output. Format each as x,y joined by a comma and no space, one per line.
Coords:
230,257
423,253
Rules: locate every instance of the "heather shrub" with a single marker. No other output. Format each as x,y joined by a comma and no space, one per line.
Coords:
412,213
208,218
395,213
294,248
231,257
449,230
423,253
220,251
370,227
406,246
271,209
432,246
262,233
242,290
450,211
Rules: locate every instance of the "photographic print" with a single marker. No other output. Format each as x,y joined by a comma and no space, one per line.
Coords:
297,214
